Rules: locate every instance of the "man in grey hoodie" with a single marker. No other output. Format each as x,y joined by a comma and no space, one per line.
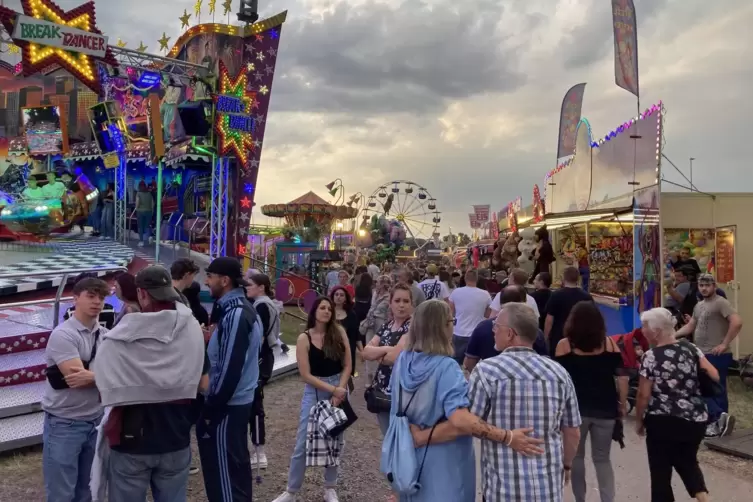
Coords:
150,366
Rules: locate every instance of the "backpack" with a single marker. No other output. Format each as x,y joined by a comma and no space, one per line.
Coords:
399,462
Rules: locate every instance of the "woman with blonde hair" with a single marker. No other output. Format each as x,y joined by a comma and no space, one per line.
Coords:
670,409
432,382
388,342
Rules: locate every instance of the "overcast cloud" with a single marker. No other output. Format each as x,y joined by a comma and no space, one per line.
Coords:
464,97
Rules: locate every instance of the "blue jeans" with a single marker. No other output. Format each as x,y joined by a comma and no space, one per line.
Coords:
108,220
67,458
719,404
130,476
144,221
585,277
95,218
298,459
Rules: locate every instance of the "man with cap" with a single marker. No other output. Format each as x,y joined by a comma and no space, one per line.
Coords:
715,325
233,353
433,288
148,370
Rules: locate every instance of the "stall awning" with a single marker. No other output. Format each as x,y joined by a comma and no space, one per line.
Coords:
624,214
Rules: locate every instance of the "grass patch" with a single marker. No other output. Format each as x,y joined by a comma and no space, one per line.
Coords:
291,326
740,402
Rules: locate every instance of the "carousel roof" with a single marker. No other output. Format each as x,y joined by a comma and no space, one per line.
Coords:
309,198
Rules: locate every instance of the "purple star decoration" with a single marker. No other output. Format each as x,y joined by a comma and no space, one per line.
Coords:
268,45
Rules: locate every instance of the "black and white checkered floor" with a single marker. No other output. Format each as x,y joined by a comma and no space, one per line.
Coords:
70,252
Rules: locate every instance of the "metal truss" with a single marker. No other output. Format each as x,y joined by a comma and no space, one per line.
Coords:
219,208
121,228
180,70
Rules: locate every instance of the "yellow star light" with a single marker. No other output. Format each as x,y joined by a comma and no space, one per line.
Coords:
260,56
250,66
142,47
212,6
264,90
163,41
227,5
197,8
121,44
184,19
13,49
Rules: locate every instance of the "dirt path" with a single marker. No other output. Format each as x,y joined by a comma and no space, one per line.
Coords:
360,481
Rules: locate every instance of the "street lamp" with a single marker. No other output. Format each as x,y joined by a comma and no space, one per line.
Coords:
333,187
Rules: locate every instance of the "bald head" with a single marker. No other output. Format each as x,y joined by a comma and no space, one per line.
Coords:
513,294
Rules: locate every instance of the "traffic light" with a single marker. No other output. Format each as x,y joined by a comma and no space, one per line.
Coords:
249,11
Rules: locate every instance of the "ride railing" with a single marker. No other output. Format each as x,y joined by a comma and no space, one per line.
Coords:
64,275
284,273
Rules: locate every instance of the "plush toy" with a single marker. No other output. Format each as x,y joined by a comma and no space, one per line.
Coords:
509,253
527,248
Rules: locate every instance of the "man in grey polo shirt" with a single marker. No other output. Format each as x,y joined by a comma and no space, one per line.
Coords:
71,400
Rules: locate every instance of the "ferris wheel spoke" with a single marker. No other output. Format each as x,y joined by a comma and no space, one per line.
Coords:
413,201
402,203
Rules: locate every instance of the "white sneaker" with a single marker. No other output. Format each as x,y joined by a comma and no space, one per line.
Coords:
712,430
288,497
141,244
726,424
330,495
260,459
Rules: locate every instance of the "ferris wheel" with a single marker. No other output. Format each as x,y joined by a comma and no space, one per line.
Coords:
409,203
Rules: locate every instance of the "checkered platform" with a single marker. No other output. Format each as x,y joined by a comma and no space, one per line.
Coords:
75,253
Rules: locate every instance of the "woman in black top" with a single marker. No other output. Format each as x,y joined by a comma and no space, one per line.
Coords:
323,355
594,363
346,316
192,294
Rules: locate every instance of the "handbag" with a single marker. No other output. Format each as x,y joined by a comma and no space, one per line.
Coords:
350,415
377,401
56,378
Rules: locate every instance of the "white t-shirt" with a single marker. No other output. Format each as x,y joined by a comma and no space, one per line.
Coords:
373,271
470,306
434,289
496,307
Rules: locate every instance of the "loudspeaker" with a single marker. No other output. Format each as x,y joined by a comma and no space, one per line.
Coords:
196,117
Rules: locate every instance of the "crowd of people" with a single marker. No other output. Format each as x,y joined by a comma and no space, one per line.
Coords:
449,355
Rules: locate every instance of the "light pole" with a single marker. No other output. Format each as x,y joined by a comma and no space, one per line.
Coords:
691,174
333,187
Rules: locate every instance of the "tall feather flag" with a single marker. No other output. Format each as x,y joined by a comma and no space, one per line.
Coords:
625,46
572,104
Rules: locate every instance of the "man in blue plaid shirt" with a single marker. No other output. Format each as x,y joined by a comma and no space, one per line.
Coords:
516,389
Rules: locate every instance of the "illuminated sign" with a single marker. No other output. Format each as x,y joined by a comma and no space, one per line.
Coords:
41,32
234,108
231,105
241,123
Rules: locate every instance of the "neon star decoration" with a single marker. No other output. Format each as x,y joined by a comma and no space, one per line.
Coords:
120,43
142,47
233,140
212,6
245,202
184,19
163,41
197,8
37,57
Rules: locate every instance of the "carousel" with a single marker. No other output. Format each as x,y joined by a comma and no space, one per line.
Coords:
308,224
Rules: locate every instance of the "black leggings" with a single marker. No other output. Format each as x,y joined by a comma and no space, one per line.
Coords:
673,442
256,422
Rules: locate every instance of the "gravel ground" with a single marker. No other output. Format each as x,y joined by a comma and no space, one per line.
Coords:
360,480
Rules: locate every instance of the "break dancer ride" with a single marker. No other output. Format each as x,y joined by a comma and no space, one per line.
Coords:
101,125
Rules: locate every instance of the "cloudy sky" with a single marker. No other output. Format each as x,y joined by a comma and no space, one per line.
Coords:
463,97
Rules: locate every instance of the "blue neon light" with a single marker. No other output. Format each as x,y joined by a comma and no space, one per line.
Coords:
116,136
242,123
230,104
248,188
148,79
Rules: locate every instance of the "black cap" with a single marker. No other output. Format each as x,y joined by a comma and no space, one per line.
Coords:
157,281
229,267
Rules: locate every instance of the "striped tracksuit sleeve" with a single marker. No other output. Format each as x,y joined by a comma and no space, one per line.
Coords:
233,348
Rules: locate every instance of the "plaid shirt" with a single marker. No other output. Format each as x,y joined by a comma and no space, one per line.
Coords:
518,389
323,450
